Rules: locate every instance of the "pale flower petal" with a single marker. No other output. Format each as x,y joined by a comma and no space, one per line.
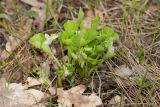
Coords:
48,41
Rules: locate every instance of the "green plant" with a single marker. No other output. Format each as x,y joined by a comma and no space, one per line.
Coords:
141,57
32,13
87,48
141,83
134,4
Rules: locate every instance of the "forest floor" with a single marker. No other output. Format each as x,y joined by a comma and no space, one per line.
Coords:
130,78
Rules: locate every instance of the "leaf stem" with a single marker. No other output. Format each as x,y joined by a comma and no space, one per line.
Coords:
56,60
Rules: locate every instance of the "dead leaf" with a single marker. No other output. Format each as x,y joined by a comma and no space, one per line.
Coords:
117,101
90,101
124,76
12,44
40,8
34,3
17,95
123,71
74,97
34,82
52,90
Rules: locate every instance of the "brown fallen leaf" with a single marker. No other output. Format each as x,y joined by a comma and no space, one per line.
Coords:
117,101
33,82
74,97
12,44
52,90
17,95
34,3
124,73
40,8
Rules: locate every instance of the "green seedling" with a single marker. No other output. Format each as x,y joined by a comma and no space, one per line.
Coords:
141,82
32,13
151,91
87,48
141,57
134,4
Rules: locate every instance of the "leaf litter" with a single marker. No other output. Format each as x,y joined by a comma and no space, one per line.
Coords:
18,95
73,96
40,9
117,101
24,95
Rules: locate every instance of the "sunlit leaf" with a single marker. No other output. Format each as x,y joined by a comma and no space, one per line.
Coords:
80,16
38,41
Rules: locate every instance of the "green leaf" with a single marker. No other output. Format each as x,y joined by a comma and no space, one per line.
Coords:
92,61
90,35
83,55
134,4
76,41
95,22
37,40
67,41
99,48
88,49
53,37
80,16
5,16
32,13
74,56
141,56
46,48
64,36
109,55
70,26
109,33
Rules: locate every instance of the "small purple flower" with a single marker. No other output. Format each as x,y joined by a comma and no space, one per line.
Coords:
47,41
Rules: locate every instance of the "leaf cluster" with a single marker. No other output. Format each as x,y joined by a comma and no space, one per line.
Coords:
87,47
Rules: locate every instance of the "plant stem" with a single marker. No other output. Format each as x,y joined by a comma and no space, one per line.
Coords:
56,60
